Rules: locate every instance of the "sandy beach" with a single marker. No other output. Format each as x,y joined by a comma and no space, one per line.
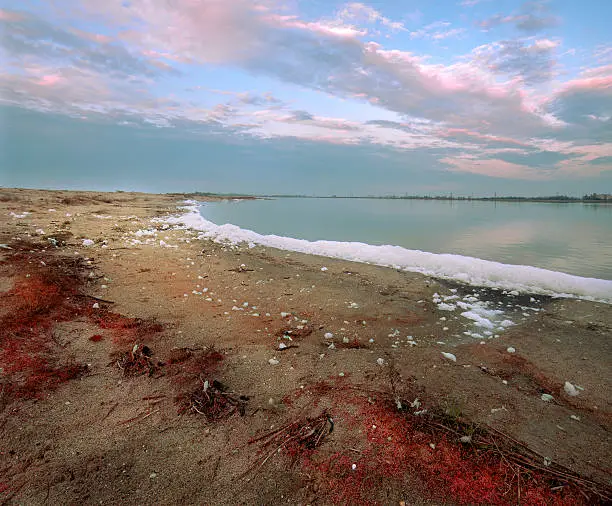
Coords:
142,365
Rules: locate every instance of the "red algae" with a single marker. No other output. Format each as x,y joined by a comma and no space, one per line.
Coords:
190,368
397,450
126,330
29,356
49,289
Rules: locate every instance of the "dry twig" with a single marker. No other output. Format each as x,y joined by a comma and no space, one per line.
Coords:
212,401
296,437
137,361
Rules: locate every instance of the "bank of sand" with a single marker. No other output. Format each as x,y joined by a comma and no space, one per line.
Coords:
95,434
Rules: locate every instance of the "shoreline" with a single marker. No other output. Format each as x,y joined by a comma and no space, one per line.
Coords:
469,270
182,297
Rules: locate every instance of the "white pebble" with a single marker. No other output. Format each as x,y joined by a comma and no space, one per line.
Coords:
449,356
570,389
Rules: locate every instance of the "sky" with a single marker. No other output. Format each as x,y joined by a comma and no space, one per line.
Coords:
470,97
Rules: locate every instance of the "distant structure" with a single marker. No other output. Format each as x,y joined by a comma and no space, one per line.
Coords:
598,196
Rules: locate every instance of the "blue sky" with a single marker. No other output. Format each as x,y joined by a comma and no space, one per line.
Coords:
314,97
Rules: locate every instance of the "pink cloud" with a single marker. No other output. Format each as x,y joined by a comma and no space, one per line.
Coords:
49,80
450,132
269,41
589,83
333,29
592,151
6,15
495,168
94,37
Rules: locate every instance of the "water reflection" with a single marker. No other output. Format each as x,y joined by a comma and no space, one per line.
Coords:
573,238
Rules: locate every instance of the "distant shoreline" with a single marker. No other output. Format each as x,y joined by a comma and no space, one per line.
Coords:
562,199
547,200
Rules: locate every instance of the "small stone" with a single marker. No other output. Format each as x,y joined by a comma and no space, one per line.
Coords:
152,476
273,361
510,349
570,389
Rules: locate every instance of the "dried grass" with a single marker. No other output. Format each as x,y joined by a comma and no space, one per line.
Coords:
213,401
137,362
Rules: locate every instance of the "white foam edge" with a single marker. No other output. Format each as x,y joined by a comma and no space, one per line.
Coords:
463,269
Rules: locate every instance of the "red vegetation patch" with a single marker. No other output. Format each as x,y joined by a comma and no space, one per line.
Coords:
42,295
355,344
190,367
392,450
126,330
196,365
516,368
47,290
298,439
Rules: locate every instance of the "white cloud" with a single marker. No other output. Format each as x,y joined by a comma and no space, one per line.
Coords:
360,12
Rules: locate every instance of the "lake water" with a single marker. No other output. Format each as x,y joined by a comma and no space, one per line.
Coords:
573,238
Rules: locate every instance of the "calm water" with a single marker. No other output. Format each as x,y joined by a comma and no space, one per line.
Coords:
573,238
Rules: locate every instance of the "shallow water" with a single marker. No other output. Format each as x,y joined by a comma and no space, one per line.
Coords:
574,238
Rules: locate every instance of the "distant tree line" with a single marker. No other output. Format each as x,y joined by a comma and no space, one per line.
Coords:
592,197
